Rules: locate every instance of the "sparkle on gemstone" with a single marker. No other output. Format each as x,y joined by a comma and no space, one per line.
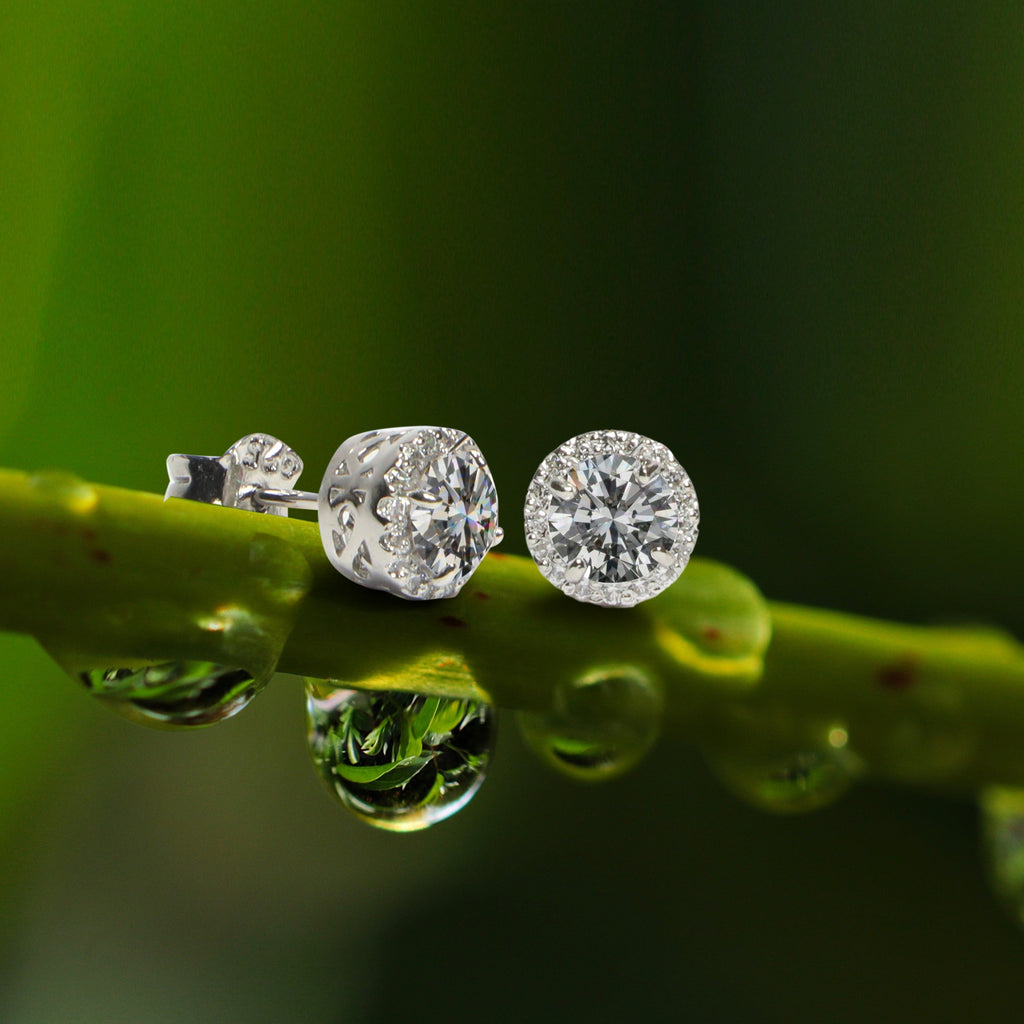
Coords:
617,518
453,514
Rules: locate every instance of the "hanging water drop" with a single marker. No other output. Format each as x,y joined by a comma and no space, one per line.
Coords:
800,781
173,693
774,771
599,725
1002,834
399,761
225,657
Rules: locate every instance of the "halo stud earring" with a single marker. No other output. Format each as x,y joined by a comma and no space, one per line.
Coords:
611,518
409,510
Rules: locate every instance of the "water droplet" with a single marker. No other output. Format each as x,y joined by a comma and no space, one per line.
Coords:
67,490
399,761
599,725
173,693
802,781
221,658
1002,835
718,624
775,771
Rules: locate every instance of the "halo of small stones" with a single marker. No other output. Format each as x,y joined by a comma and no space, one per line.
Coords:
393,510
562,461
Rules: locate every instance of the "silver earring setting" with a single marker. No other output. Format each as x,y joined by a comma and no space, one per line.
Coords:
611,518
255,463
408,510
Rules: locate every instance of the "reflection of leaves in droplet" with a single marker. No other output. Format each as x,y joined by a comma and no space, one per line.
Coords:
582,753
421,719
449,714
174,693
373,741
599,726
388,774
796,781
399,760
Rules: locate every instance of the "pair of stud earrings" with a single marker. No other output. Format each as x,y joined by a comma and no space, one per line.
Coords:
611,516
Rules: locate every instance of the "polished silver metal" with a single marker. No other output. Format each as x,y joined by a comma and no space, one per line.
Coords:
258,462
408,510
266,496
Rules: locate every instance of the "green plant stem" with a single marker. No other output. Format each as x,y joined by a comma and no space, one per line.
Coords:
104,577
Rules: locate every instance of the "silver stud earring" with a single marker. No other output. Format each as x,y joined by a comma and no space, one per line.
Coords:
409,510
611,518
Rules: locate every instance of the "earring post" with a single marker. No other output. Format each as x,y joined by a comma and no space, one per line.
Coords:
285,499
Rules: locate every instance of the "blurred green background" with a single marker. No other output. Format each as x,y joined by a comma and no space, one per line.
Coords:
787,240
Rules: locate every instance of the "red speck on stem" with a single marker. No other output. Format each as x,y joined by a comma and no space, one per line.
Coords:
711,633
454,621
900,675
99,555
497,556
481,595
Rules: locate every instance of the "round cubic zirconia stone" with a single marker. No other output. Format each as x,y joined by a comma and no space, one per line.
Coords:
616,516
453,514
611,518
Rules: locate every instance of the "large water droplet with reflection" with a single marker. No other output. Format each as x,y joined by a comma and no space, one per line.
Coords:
173,693
599,725
1002,833
813,775
399,761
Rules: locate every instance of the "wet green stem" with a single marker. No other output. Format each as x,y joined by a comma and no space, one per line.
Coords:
106,577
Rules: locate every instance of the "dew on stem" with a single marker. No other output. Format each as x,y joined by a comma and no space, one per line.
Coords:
800,781
173,693
777,765
66,490
1002,836
599,725
398,761
224,659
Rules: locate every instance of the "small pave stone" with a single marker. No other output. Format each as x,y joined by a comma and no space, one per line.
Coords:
390,508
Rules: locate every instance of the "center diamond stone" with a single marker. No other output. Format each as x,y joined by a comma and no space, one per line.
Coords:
453,515
614,517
